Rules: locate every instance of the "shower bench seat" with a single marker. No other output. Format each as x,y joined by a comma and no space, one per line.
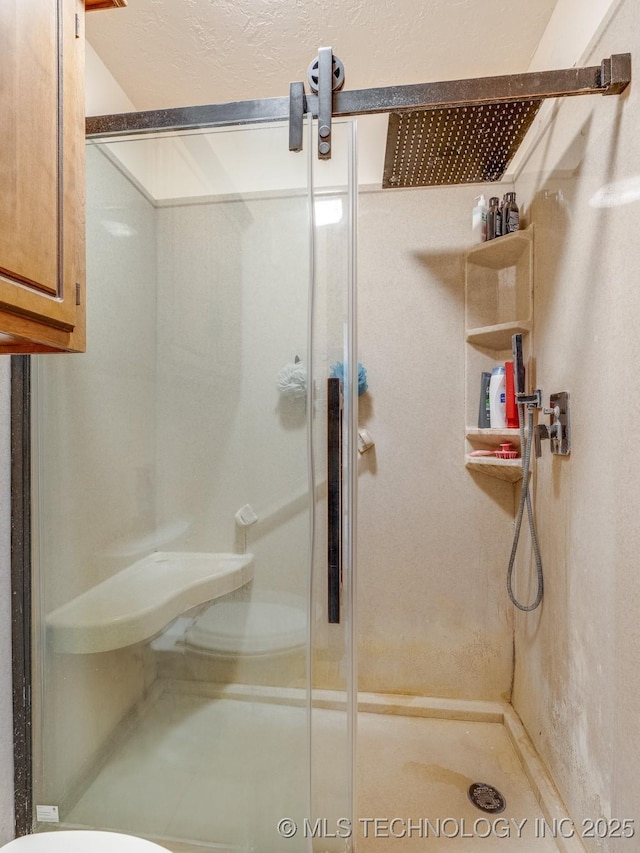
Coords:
139,601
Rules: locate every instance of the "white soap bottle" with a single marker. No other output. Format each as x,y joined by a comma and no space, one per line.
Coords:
498,398
479,220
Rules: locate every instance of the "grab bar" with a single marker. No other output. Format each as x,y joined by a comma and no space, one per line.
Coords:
334,497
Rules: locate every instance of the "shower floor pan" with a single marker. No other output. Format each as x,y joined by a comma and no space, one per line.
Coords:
228,763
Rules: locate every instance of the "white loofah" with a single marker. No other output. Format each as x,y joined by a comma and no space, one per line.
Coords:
292,380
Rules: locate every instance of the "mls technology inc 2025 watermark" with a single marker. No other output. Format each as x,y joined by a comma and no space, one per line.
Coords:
449,827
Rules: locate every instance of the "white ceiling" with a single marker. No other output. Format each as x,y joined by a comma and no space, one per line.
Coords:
167,53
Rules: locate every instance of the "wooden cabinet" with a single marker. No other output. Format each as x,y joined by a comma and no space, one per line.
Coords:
42,246
104,4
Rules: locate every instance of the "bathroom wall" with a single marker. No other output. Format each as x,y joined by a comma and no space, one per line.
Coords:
433,539
576,659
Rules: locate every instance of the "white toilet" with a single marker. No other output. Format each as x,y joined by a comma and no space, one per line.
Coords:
82,841
260,641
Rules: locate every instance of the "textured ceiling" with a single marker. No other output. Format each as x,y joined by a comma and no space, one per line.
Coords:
167,53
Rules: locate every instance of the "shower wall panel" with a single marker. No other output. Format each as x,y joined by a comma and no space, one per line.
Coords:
576,688
433,540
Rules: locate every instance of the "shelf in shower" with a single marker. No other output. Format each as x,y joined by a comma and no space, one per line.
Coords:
504,469
497,337
482,435
499,290
503,251
136,603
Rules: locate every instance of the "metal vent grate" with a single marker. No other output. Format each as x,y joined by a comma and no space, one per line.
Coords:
455,145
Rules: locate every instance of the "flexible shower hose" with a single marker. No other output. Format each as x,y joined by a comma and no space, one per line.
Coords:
525,498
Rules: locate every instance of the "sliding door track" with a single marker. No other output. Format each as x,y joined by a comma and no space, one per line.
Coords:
452,132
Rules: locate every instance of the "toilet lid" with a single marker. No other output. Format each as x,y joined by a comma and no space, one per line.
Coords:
249,627
82,841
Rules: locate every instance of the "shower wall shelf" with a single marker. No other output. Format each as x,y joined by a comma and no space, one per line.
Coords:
490,439
142,599
499,290
498,304
497,337
503,469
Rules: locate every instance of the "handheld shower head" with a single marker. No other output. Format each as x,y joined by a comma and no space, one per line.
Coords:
518,365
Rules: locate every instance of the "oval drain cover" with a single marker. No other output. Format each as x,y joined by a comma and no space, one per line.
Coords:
487,798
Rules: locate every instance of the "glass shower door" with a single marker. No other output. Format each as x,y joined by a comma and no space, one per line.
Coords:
180,501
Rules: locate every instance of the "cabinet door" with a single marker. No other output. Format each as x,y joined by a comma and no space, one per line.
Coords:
42,264
95,5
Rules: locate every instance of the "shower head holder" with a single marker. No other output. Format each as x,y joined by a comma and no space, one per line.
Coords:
531,401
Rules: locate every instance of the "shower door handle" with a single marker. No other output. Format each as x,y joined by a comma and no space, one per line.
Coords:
334,497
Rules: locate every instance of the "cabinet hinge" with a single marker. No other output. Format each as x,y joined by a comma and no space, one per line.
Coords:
77,26
77,293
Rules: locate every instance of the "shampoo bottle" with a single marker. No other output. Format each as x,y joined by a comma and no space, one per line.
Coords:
511,406
479,220
497,398
493,216
510,214
484,412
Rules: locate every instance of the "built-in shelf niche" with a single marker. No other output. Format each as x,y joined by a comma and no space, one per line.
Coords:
498,304
497,337
491,439
499,284
504,469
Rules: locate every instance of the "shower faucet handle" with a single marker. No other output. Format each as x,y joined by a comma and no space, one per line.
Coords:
540,432
558,430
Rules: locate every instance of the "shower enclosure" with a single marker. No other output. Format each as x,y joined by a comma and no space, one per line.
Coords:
188,685
193,489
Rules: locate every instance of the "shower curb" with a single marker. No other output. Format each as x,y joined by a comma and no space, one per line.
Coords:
545,791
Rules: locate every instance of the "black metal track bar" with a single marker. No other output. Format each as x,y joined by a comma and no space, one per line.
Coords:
611,77
190,118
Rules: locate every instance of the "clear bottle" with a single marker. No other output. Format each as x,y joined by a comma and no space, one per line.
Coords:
510,214
479,220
